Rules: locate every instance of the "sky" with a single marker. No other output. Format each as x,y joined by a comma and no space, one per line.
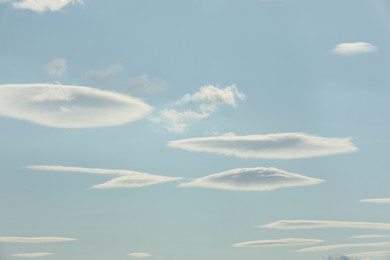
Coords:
208,129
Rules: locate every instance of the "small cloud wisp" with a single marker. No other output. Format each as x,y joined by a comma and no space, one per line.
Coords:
278,242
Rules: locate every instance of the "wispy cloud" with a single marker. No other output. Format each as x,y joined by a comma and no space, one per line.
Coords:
69,106
271,146
252,179
377,200
127,179
368,236
337,257
57,67
139,254
197,106
104,76
278,242
41,6
35,240
307,224
145,84
341,246
354,48
370,254
37,254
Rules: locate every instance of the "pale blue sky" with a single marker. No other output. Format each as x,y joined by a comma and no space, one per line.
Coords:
267,67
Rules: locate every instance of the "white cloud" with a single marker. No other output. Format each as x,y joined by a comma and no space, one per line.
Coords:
271,146
368,236
57,67
307,224
377,200
144,84
252,179
139,254
41,6
69,106
354,48
197,106
278,242
35,240
127,179
104,76
341,246
38,254
370,254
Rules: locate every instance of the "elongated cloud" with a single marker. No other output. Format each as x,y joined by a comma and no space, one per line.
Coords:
368,236
57,67
139,255
278,242
354,48
69,106
271,146
341,246
378,200
35,240
38,254
370,254
252,179
197,106
41,6
127,179
104,76
307,224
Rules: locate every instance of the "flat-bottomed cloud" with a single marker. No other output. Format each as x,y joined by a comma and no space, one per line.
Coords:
278,242
354,48
35,240
139,255
37,254
377,200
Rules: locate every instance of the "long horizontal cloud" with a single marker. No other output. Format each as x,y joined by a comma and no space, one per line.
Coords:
252,179
368,236
370,254
139,254
277,242
127,179
271,146
35,240
307,224
377,200
37,254
41,6
69,106
354,48
341,246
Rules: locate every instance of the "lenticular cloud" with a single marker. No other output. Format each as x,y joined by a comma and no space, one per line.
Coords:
271,146
69,106
252,179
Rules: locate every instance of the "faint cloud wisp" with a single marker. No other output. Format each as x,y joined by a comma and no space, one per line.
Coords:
57,67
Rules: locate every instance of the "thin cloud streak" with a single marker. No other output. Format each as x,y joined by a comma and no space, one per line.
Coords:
370,254
35,240
277,242
354,48
377,200
270,146
368,236
252,179
341,246
41,6
309,224
139,254
37,254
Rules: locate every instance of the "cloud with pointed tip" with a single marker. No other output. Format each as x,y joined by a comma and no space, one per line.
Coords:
270,146
65,106
37,254
377,200
308,224
35,240
342,246
277,242
41,6
354,48
139,254
368,236
252,179
370,254
126,179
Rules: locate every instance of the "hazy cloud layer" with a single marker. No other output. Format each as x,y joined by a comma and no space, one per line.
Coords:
278,242
370,254
104,76
127,179
38,254
307,224
41,6
197,106
271,146
145,84
69,106
377,200
341,246
252,179
35,240
139,254
354,48
368,236
57,67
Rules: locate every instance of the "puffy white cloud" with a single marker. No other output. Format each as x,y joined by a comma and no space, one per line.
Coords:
104,76
368,236
370,254
139,254
37,254
341,246
278,242
377,200
57,67
127,179
271,146
35,240
252,179
69,106
41,6
145,84
306,224
197,106
354,48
